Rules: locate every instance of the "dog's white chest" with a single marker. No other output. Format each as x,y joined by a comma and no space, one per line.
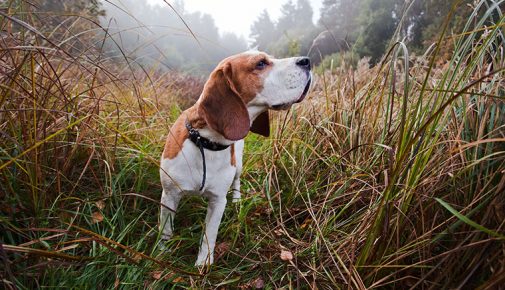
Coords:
186,169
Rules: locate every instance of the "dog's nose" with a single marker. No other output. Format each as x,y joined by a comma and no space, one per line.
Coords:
303,62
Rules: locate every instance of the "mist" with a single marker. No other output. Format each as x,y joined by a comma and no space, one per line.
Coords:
168,36
164,37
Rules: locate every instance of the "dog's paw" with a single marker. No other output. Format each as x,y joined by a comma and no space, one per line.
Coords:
237,196
165,237
163,245
204,261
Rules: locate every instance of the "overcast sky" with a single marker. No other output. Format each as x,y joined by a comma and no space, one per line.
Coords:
237,15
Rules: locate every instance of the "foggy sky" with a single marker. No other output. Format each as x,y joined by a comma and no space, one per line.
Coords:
237,16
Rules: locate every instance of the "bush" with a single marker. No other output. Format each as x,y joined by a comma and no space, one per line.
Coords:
333,61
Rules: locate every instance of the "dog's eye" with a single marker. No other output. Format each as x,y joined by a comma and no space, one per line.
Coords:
261,64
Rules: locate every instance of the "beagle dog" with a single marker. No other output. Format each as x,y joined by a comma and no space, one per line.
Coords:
203,151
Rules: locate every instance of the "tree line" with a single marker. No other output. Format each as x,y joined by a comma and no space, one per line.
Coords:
363,27
158,36
168,36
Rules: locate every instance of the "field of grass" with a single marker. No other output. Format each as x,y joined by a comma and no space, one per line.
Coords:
390,176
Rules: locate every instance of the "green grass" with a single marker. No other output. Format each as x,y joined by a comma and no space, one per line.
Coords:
385,177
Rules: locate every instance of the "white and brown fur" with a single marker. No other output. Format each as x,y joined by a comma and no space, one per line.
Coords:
234,101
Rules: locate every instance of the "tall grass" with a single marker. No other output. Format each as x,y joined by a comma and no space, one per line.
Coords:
391,176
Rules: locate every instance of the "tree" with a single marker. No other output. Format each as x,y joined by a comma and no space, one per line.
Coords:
339,25
154,35
293,33
78,15
232,44
56,10
295,29
424,19
303,14
379,19
340,17
287,20
329,12
262,31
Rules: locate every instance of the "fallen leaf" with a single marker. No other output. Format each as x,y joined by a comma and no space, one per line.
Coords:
259,283
156,275
286,255
97,217
137,257
221,249
100,204
306,223
178,280
278,232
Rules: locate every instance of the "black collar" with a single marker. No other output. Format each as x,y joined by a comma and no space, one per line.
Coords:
195,137
202,142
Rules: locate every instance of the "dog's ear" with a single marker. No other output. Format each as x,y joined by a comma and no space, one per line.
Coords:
222,107
261,125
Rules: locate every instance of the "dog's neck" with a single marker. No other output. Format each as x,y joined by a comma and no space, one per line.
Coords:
255,111
198,122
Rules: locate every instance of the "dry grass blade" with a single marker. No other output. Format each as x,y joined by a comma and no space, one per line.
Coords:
44,253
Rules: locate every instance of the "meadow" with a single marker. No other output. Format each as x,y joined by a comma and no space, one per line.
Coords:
389,176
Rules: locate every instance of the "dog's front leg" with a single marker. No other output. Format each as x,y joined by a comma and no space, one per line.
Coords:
215,211
170,200
235,186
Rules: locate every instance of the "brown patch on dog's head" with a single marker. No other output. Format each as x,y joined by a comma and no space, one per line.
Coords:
247,73
231,86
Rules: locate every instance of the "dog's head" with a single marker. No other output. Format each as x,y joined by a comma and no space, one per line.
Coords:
246,85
